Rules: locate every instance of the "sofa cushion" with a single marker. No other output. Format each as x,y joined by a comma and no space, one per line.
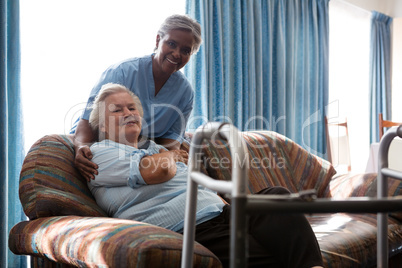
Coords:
103,242
274,160
49,183
364,185
350,240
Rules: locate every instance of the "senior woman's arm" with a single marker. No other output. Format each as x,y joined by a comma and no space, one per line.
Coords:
117,168
157,168
161,167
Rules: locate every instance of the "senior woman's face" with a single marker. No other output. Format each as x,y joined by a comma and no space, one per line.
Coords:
122,119
173,50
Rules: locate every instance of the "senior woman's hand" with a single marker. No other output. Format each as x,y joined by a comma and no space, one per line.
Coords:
84,164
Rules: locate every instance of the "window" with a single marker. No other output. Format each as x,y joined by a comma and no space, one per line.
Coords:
349,45
67,44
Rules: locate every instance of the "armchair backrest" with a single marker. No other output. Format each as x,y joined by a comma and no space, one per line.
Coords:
50,185
274,160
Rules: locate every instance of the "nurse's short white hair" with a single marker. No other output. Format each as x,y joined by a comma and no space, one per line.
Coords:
97,116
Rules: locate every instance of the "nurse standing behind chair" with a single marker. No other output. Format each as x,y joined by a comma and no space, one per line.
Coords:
165,93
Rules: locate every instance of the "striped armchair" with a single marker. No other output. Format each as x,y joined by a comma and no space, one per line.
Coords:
67,228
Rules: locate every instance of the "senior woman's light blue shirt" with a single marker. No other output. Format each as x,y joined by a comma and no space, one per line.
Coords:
121,191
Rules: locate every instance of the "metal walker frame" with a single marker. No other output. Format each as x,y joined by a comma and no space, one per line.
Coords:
243,204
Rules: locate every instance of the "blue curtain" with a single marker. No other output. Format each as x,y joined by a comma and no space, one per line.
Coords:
263,65
380,71
11,133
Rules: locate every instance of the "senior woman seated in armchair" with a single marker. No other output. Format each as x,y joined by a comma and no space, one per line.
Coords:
149,183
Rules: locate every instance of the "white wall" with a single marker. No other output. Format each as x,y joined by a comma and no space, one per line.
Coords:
67,44
392,8
397,70
398,9
349,39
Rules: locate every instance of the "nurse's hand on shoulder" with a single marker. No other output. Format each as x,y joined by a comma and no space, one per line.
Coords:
83,162
180,156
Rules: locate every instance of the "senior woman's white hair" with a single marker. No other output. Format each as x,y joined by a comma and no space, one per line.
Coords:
97,116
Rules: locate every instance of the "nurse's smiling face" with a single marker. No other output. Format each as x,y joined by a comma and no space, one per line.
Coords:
173,51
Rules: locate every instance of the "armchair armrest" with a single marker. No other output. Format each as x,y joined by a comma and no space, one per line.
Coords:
50,185
103,242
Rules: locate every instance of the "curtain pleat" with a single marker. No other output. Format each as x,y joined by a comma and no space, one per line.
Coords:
380,72
263,65
11,132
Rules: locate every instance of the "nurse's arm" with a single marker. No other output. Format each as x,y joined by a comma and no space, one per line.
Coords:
169,144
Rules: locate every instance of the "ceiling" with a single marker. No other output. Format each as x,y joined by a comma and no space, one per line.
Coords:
392,8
